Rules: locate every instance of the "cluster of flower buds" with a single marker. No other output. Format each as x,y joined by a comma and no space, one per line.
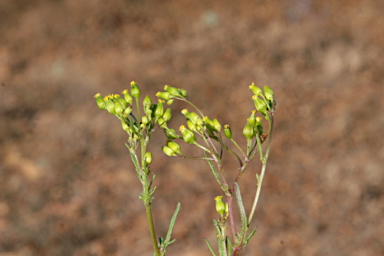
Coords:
121,107
172,149
265,104
263,99
196,124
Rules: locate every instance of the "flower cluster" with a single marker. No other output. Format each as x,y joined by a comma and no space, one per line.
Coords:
264,104
205,127
121,106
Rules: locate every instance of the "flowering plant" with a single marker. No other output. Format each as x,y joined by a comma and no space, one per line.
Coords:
212,139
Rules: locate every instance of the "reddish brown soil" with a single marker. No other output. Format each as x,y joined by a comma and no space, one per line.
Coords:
67,184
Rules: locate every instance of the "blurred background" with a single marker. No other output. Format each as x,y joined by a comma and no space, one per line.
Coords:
67,186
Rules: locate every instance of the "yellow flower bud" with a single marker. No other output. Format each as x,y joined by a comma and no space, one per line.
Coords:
148,158
216,125
110,106
175,147
128,98
220,206
183,92
227,131
100,101
171,134
173,91
118,108
256,90
248,131
144,120
159,109
164,95
188,136
168,151
135,91
167,115
268,93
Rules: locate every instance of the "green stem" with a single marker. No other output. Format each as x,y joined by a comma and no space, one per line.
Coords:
234,142
147,197
152,228
264,167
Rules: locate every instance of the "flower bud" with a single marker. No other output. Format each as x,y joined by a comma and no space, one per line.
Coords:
110,106
188,136
144,120
168,151
164,95
260,105
128,98
125,127
183,92
118,108
193,117
127,111
216,125
268,93
220,206
159,109
147,102
148,158
162,123
171,133
227,131
175,147
252,119
208,123
256,90
173,91
248,131
167,115
191,126
122,102
100,101
169,102
148,110
135,91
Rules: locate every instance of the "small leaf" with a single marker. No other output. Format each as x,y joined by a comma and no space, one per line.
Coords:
250,236
210,247
172,223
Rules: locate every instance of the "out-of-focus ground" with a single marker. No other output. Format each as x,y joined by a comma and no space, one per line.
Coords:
67,186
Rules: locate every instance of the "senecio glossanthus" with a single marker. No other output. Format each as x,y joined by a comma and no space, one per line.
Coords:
139,119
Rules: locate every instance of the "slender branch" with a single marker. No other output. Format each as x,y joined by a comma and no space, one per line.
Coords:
264,167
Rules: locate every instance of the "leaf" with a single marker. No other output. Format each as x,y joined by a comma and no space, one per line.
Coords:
243,215
210,247
250,236
135,163
172,224
228,244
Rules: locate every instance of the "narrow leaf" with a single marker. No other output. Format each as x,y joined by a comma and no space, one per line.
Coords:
228,244
243,215
210,247
135,163
250,236
172,223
